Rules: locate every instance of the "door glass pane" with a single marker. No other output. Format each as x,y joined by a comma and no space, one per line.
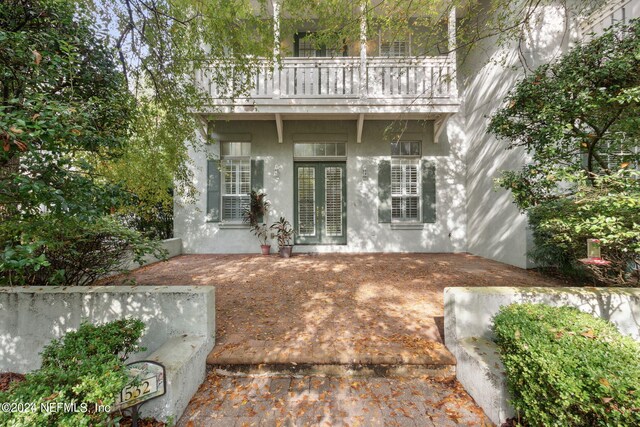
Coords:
333,201
306,201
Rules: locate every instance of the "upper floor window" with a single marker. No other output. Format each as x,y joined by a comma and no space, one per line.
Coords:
236,179
394,45
306,47
394,48
405,181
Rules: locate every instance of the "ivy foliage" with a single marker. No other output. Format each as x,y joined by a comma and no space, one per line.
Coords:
567,368
83,367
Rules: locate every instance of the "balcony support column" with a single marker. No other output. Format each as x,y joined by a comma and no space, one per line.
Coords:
276,50
360,126
453,82
363,49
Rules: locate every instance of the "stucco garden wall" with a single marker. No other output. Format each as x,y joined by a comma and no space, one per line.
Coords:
172,246
180,329
364,233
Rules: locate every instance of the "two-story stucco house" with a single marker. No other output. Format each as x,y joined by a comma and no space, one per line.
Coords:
377,148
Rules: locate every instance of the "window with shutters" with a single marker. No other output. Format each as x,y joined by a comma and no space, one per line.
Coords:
405,181
236,179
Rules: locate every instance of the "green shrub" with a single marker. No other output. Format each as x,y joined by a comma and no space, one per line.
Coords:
85,366
609,212
568,368
52,250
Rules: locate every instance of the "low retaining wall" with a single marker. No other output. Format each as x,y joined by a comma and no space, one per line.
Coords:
180,329
468,317
172,246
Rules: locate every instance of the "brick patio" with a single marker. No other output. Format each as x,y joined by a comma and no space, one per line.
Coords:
333,309
328,310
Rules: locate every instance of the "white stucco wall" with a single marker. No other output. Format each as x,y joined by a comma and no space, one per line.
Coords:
364,233
612,12
496,229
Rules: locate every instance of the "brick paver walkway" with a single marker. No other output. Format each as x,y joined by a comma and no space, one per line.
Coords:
373,309
320,401
333,308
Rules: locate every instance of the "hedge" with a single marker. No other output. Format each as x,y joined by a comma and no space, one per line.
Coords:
568,368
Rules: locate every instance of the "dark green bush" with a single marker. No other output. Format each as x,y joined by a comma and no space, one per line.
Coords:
568,368
53,250
609,212
83,367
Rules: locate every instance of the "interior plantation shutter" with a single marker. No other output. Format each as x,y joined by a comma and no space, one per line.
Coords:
257,178
213,190
428,191
384,191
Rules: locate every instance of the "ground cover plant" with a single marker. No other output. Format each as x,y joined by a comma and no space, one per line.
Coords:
83,367
568,368
579,120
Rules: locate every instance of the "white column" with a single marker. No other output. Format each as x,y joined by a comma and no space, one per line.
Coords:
452,53
276,29
363,49
276,48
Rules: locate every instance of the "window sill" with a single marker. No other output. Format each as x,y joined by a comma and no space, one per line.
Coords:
234,226
407,226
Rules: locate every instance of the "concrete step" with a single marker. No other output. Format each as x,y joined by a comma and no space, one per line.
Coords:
437,372
257,357
254,352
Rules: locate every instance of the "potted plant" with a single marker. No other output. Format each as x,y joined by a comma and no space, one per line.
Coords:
254,213
284,234
257,208
261,231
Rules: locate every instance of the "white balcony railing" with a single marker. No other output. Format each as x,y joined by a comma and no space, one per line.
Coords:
325,78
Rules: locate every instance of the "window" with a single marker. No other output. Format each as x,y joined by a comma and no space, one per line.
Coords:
394,44
405,181
394,48
319,149
236,179
306,47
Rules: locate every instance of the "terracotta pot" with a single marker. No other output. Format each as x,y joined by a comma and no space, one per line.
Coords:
266,249
285,252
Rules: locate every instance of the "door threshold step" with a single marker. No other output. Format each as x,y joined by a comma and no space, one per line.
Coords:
439,372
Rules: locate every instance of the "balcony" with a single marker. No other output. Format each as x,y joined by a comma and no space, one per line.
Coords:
344,85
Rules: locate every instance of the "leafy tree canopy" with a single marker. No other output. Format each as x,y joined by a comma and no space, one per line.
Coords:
578,118
63,107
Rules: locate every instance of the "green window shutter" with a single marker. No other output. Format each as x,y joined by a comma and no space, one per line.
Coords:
428,191
213,190
257,178
384,191
257,175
